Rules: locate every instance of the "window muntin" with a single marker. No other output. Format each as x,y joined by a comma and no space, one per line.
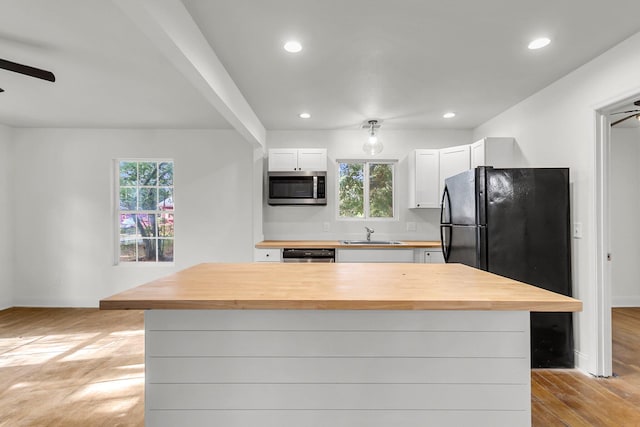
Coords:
145,211
365,190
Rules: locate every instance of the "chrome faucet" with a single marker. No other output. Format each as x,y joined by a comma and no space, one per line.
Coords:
369,231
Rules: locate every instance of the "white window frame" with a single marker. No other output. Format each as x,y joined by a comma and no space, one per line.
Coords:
118,212
367,217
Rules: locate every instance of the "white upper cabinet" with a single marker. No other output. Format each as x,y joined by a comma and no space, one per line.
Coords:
312,159
453,160
283,159
424,172
297,159
496,152
428,168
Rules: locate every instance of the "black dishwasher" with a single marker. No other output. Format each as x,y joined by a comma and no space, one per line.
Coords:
308,255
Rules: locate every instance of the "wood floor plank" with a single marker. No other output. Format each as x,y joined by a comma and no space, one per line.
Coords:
550,406
71,367
603,402
85,367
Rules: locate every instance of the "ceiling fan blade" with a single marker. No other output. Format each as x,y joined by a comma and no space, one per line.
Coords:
622,120
623,112
27,70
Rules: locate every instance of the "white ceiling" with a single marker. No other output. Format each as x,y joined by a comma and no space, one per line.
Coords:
406,62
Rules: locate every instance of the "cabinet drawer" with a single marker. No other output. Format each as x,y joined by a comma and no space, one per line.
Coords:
267,255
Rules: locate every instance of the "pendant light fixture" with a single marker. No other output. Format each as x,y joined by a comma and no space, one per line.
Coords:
373,145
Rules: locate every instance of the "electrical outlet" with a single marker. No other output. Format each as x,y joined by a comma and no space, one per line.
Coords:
577,230
411,226
326,227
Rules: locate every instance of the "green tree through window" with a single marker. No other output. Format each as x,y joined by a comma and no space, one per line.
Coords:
145,211
365,189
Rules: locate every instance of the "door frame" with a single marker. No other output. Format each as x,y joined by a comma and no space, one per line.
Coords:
603,366
601,321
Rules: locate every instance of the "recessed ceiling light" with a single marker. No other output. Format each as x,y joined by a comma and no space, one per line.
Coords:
292,46
304,115
539,43
449,115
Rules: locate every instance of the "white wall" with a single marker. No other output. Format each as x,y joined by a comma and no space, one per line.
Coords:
556,127
63,208
6,228
624,207
304,222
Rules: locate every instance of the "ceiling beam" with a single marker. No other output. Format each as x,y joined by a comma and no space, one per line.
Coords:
172,29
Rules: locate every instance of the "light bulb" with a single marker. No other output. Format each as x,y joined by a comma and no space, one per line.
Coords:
293,46
373,145
539,43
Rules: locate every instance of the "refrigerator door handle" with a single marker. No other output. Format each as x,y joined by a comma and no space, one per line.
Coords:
443,242
445,206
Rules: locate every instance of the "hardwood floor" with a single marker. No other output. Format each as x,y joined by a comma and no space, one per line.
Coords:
84,367
71,367
571,398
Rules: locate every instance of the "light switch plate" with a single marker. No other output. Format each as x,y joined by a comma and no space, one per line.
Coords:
411,226
326,227
577,230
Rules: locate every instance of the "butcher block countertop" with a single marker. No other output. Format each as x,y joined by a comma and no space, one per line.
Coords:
336,286
317,244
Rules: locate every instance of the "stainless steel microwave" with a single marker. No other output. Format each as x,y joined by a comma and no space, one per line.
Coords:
297,188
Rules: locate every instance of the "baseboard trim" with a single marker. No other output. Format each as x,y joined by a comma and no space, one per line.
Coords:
56,303
625,301
582,362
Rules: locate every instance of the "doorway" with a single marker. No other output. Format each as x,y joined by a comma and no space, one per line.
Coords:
615,166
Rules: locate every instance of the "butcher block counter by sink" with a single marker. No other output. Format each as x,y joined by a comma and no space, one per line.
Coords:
278,344
337,244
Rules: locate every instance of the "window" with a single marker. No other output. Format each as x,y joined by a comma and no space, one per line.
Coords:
145,211
365,190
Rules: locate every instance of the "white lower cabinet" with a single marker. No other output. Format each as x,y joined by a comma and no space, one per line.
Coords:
374,255
267,255
429,256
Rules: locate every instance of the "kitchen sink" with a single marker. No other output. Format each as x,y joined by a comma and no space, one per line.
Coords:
370,242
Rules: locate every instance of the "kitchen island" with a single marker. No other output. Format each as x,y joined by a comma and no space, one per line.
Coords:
276,344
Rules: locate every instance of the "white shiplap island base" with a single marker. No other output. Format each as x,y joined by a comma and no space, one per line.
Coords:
330,357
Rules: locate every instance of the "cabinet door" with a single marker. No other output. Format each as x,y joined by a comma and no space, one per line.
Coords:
283,159
453,160
312,159
375,255
427,172
433,256
478,154
498,152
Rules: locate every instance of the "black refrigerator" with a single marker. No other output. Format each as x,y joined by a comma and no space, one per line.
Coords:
516,223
